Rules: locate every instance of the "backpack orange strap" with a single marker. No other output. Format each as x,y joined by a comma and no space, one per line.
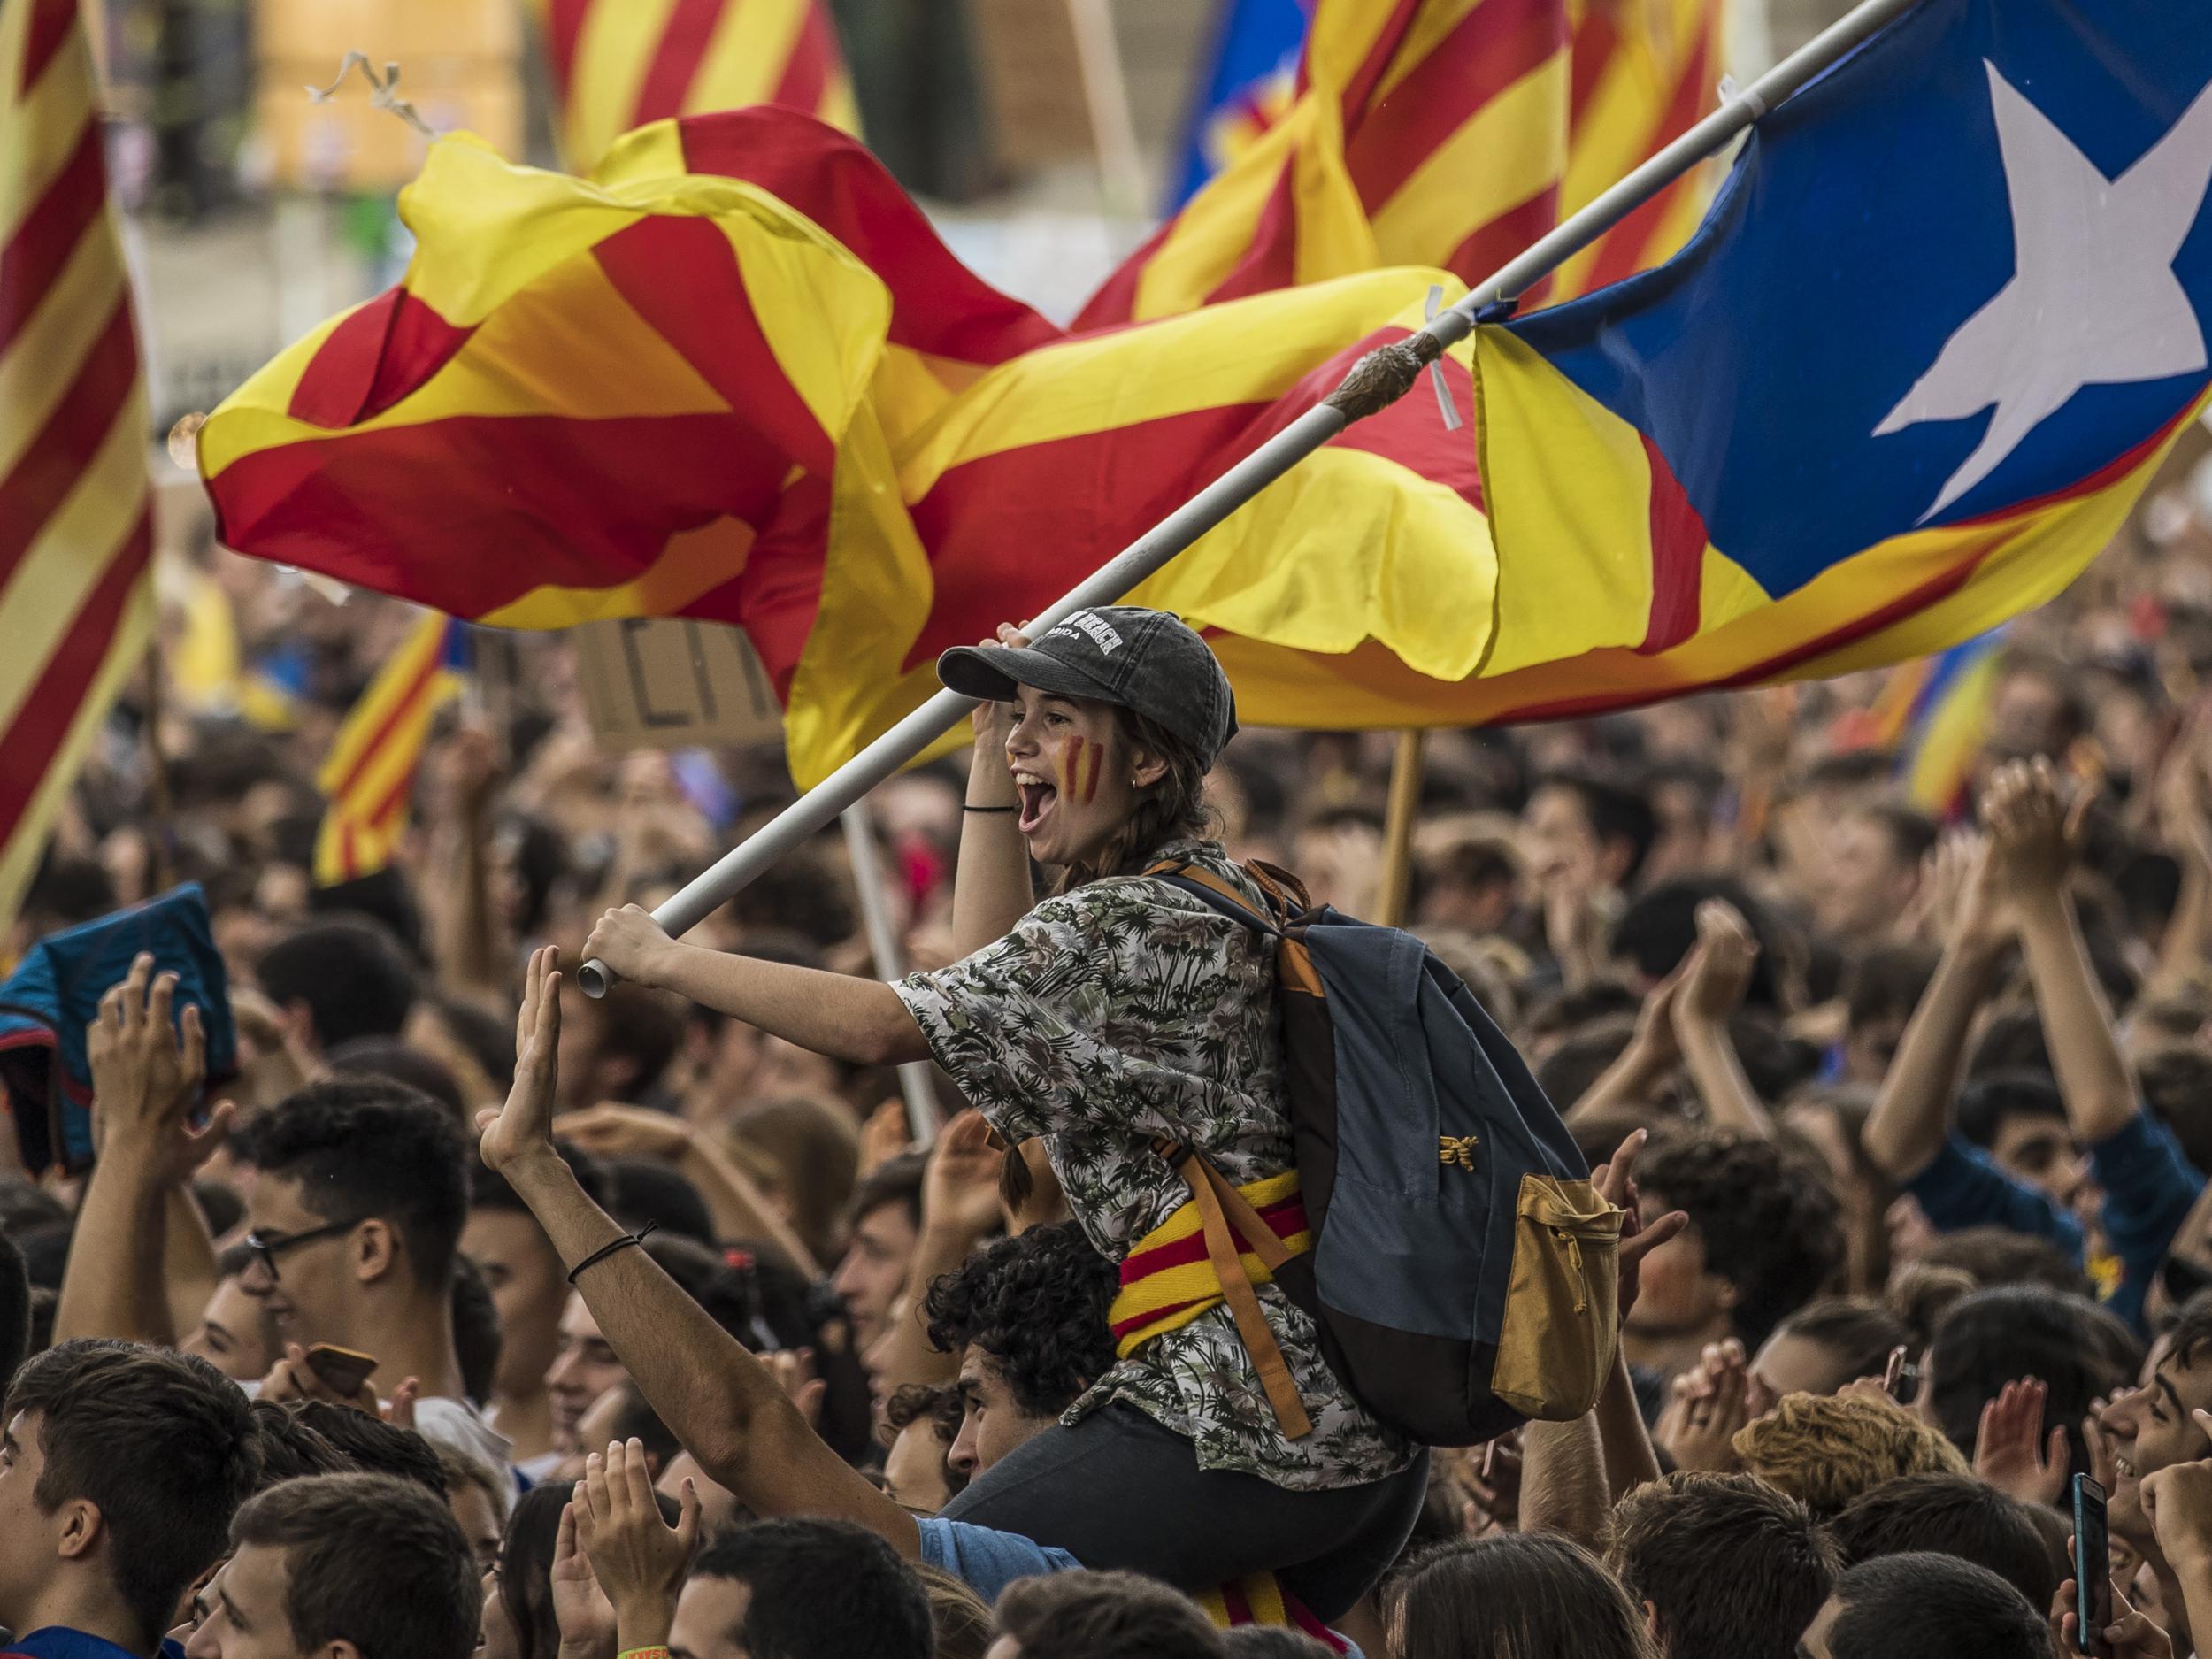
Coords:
1217,1200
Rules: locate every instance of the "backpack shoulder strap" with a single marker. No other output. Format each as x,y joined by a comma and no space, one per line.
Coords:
1219,1205
1217,895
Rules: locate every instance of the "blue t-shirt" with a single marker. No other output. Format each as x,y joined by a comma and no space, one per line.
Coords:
59,1641
2148,1191
987,1560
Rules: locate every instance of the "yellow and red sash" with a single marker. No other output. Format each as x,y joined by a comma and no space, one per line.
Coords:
1167,1279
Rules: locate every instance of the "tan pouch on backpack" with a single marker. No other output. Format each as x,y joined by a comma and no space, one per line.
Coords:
1555,1343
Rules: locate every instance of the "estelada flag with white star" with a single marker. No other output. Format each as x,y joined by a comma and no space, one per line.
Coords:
1941,325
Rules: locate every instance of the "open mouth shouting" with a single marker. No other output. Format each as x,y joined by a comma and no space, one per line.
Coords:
1038,796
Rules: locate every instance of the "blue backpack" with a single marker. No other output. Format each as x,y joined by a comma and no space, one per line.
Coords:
1463,1271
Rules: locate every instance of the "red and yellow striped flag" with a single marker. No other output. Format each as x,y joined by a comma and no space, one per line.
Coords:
369,775
76,534
1645,73
1426,132
619,65
662,392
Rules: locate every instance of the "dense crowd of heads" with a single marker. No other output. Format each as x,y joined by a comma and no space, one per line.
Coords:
1930,1076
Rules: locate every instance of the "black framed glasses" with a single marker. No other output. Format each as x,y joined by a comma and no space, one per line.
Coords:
268,1247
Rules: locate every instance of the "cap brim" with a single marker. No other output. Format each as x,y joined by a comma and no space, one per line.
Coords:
991,673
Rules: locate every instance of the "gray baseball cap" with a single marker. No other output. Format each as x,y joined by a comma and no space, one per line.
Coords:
1144,660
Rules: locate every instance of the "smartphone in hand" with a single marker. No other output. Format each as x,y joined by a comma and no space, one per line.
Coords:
2092,1567
343,1370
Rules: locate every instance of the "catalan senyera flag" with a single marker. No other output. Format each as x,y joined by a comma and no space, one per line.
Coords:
620,65
1945,319
1946,716
76,534
1425,132
1645,73
663,392
1252,85
368,778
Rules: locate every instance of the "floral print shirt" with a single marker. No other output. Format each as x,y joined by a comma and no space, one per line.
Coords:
1117,1013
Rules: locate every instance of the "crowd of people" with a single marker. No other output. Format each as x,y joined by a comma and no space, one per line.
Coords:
466,1310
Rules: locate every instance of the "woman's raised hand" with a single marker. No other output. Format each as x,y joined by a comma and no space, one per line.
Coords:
630,942
991,719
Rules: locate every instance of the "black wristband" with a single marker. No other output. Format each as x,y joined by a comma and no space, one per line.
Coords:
965,807
606,1250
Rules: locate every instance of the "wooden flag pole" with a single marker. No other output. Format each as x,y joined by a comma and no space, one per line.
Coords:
1106,99
1399,823
1379,378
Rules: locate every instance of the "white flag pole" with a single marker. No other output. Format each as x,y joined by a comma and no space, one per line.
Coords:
915,1081
1376,381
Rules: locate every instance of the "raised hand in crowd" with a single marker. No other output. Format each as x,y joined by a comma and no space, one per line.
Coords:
148,1066
2178,1500
2131,1634
1698,1426
960,1208
125,1278
638,1558
1716,975
580,1607
2012,1453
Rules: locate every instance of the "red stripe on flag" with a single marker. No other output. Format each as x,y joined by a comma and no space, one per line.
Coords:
50,23
1626,246
1596,41
1411,432
48,233
384,352
577,503
1494,46
814,59
681,276
1359,90
563,27
778,596
384,816
1678,540
42,479
1504,238
938,305
1271,262
682,46
40,727
1082,498
412,693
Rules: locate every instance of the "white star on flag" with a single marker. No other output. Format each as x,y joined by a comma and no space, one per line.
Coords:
2093,300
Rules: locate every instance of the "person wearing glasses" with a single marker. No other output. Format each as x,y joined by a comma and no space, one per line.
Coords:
355,1221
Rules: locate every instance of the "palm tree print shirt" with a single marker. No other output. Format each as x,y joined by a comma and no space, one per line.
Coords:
1123,1011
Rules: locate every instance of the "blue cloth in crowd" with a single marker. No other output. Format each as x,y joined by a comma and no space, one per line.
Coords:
59,1641
53,994
985,1559
2148,1189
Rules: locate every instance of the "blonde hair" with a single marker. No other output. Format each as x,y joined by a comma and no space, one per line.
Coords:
959,1619
1830,1449
814,1147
